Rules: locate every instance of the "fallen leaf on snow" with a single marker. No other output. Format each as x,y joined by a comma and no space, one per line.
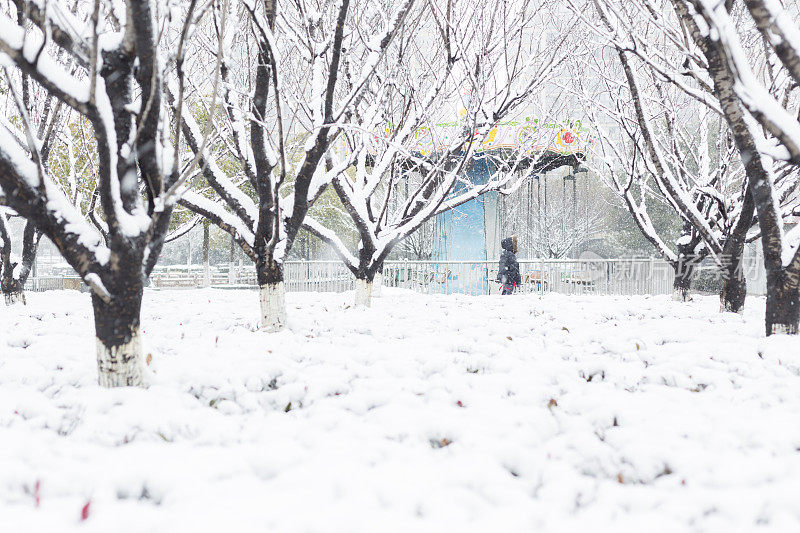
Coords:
85,510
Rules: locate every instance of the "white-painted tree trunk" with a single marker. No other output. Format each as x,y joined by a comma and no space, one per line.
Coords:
206,275
783,329
681,295
120,366
273,306
13,298
377,283
726,306
363,293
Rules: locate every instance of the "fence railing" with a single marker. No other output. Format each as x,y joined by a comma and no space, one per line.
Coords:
572,276
565,276
50,283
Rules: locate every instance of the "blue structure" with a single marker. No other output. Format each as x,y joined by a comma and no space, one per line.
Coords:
471,231
468,232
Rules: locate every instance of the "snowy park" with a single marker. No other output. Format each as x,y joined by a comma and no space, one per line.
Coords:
341,266
423,413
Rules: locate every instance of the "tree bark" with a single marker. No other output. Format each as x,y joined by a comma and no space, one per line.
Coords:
119,349
13,291
682,282
734,292
783,304
365,273
684,269
734,286
13,288
272,294
30,245
363,292
377,283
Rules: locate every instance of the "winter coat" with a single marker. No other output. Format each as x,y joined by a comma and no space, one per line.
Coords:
508,269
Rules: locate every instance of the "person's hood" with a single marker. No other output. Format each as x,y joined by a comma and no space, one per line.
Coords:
509,244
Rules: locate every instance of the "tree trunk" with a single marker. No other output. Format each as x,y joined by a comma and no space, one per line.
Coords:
734,292
206,264
13,291
272,295
377,283
734,286
231,265
682,283
365,273
783,305
14,287
116,322
363,292
6,264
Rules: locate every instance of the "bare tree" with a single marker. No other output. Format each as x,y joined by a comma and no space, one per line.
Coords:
45,114
662,91
672,165
406,163
309,63
763,127
117,89
14,271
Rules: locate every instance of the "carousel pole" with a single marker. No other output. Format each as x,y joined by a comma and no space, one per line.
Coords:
574,213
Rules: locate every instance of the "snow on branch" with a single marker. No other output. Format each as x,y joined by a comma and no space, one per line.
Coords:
60,24
333,240
217,213
25,50
377,48
750,91
232,195
44,203
183,229
782,33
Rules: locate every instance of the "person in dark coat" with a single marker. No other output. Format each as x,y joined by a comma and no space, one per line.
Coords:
508,270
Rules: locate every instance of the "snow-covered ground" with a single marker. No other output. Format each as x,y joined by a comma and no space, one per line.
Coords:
425,413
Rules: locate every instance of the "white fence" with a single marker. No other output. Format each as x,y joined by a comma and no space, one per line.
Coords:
602,276
565,276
